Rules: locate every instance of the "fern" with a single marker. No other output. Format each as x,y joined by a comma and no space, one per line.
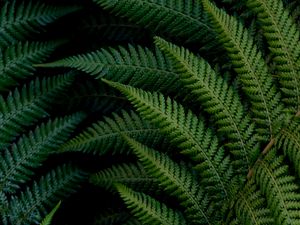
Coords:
168,17
288,141
105,135
217,98
20,21
283,39
250,206
131,175
187,132
281,190
30,151
178,182
245,85
24,107
16,61
147,209
30,205
250,66
134,65
48,219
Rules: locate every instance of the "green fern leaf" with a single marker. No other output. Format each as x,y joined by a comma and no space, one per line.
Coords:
250,206
280,189
18,22
283,39
16,61
104,136
22,108
288,140
217,98
168,17
4,208
48,219
30,151
129,174
178,182
250,66
147,209
135,65
187,132
30,206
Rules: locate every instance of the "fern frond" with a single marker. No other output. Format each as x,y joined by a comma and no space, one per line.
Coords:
288,140
48,219
178,182
249,64
250,207
135,65
147,209
164,17
31,205
16,61
129,174
30,151
186,131
217,98
22,108
4,206
294,8
18,22
104,135
280,189
283,37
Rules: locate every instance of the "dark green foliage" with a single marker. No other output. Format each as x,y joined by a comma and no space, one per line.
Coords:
282,193
48,219
30,151
21,21
215,136
133,175
147,209
135,65
250,206
283,39
166,17
186,131
104,135
178,182
217,98
22,108
31,205
16,61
